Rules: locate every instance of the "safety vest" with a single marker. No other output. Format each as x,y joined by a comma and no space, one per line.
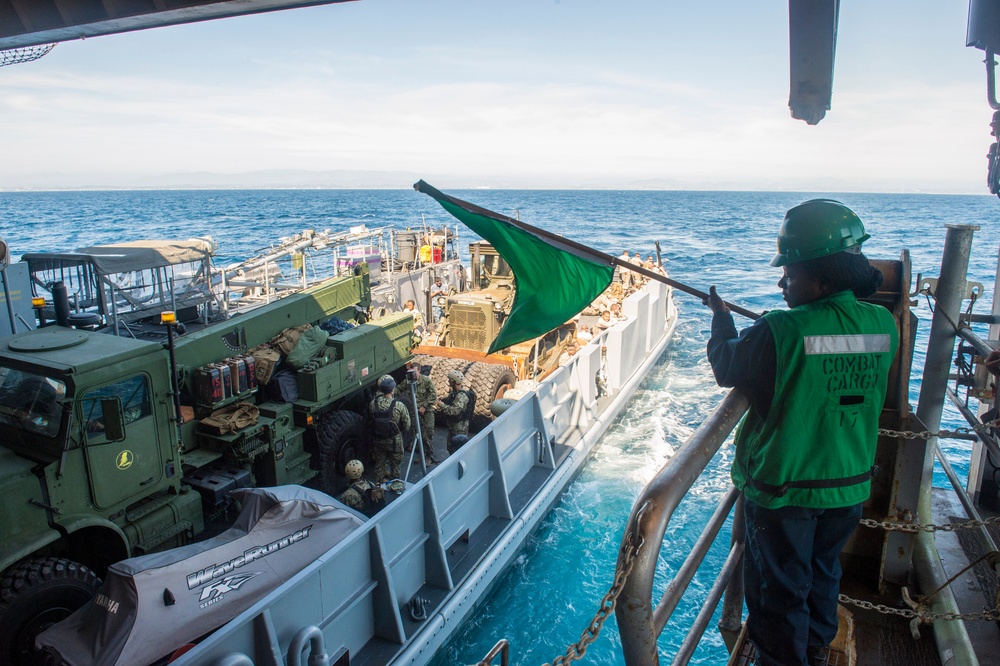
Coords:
816,446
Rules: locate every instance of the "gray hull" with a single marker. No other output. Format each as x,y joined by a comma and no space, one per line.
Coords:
448,538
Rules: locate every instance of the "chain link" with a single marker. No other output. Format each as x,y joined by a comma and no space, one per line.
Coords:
982,428
924,616
630,550
913,528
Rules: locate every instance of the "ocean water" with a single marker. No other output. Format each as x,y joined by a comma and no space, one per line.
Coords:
720,238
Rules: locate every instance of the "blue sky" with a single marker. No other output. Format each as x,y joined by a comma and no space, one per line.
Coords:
517,93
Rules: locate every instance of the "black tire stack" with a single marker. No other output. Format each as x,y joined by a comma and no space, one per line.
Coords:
487,380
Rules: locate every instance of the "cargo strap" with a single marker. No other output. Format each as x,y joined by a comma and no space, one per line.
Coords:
782,490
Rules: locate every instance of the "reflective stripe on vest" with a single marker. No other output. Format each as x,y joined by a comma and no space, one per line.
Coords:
847,344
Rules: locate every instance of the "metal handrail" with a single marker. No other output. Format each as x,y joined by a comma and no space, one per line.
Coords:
502,648
639,623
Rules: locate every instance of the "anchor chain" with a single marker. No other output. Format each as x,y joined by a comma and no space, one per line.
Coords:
633,542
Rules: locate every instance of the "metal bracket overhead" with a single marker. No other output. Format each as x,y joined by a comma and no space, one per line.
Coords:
928,286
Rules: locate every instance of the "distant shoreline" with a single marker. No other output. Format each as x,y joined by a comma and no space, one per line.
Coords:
386,188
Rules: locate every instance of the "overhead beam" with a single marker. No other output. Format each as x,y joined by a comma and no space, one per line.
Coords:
812,41
32,22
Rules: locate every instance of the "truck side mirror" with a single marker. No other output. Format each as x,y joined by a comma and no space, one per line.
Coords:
114,419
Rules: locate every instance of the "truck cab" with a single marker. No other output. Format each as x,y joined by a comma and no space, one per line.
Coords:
473,318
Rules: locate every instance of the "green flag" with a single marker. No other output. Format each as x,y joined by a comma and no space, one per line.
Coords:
554,277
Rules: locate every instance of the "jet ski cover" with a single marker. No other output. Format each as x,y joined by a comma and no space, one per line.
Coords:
153,604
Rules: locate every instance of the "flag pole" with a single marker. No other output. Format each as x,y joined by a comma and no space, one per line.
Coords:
652,275
566,243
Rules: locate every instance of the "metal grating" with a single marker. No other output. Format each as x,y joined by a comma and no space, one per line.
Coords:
467,328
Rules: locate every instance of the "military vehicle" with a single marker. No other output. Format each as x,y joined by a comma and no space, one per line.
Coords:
472,320
113,446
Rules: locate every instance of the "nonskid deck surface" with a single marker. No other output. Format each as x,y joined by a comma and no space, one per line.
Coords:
873,640
885,639
748,657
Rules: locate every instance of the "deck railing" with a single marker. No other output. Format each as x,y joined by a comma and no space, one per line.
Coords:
639,622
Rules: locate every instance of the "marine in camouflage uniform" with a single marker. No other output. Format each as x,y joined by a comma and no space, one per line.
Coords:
356,494
426,397
454,407
387,454
359,495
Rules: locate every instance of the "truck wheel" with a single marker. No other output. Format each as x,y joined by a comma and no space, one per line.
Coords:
36,594
439,373
489,381
440,367
342,437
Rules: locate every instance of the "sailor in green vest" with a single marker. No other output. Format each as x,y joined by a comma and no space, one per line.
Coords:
816,377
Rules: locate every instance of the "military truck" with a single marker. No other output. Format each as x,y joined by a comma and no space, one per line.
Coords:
472,321
106,450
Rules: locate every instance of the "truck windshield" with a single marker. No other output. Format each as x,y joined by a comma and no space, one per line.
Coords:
134,397
31,401
495,266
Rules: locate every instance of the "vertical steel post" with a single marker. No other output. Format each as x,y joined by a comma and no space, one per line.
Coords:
9,299
952,638
951,288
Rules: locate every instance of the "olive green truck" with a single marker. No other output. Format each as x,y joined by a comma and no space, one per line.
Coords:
106,450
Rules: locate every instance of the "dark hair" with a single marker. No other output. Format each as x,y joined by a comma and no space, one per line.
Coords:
846,270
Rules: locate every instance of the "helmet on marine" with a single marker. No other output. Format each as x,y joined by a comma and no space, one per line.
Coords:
457,442
354,469
386,383
456,377
818,228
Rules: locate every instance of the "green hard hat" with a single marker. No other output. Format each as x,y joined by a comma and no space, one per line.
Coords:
818,228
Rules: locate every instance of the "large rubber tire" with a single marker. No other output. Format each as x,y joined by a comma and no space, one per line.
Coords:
34,595
440,367
490,382
342,436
